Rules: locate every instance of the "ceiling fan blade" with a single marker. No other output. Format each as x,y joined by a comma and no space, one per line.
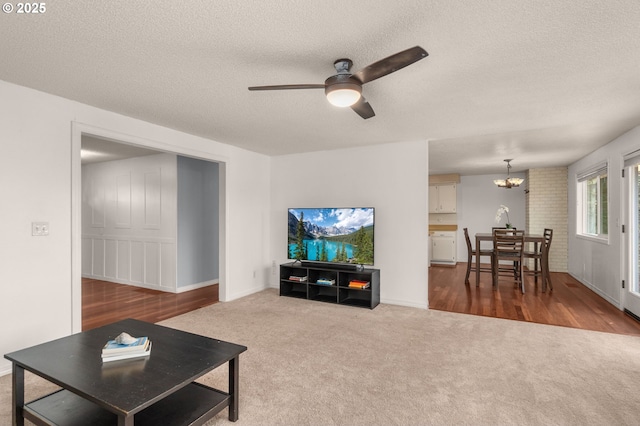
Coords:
288,86
391,64
363,109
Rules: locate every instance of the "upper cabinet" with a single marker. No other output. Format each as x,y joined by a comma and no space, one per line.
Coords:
442,198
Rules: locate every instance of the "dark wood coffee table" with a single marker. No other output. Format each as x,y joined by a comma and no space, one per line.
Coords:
158,390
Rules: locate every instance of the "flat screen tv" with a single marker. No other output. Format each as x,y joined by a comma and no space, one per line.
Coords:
342,235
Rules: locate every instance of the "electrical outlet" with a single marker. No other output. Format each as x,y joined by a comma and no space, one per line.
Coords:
39,229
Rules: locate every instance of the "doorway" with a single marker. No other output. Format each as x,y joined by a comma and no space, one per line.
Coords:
138,146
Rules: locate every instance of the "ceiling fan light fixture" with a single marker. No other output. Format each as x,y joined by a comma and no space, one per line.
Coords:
342,90
343,94
343,97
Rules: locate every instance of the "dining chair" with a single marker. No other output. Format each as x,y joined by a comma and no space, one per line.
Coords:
508,248
471,253
540,265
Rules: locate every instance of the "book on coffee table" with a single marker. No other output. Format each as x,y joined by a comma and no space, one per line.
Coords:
142,352
112,347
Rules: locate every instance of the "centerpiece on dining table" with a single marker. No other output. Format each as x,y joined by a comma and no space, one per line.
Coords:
503,210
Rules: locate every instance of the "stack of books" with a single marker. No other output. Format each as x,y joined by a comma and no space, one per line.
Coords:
300,279
325,281
359,284
114,351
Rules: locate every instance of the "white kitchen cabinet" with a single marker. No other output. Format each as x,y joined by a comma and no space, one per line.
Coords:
442,198
433,199
443,247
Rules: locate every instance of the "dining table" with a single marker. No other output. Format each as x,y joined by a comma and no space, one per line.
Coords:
536,239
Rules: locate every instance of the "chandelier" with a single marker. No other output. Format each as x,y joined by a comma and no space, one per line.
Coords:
509,182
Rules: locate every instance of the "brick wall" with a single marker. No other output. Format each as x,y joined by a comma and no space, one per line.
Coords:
546,207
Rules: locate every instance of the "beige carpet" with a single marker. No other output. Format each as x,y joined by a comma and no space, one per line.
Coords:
312,363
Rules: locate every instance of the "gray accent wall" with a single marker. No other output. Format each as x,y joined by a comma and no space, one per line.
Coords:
198,222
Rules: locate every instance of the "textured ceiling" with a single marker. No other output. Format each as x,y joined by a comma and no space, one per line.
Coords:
542,82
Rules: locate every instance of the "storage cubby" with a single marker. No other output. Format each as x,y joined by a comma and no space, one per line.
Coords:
293,289
331,283
321,274
323,293
293,282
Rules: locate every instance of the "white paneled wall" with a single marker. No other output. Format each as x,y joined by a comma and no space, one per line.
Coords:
129,217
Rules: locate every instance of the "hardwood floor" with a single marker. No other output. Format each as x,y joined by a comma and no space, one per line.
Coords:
570,304
105,302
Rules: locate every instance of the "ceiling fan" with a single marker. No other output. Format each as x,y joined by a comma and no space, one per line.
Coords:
345,89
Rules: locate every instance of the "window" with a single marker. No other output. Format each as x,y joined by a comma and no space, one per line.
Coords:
593,202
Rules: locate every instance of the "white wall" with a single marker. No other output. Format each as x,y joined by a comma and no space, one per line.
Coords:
479,199
129,221
392,178
39,134
598,264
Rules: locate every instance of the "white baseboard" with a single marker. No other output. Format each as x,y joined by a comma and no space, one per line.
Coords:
155,287
5,370
131,283
246,293
405,303
196,286
599,292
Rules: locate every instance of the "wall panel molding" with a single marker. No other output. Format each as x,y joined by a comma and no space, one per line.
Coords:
123,201
152,199
129,224
145,261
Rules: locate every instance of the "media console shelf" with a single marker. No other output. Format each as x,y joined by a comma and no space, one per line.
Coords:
328,283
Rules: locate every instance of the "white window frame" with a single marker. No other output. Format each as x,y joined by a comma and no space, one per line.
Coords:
593,175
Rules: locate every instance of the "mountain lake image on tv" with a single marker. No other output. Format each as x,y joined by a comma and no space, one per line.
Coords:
343,235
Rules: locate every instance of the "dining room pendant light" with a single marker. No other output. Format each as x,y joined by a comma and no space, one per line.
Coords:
509,182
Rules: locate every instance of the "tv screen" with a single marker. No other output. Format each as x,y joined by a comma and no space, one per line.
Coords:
343,235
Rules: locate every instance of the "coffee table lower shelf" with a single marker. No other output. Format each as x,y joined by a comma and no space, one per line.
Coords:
192,405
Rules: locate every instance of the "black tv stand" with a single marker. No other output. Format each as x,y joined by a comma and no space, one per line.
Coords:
329,282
